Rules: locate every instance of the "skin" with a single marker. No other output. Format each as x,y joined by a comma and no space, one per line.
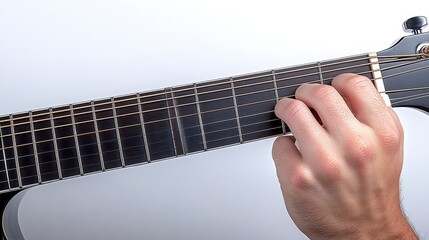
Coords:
342,182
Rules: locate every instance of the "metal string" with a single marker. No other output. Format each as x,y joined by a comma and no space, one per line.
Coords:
190,95
418,95
400,58
188,115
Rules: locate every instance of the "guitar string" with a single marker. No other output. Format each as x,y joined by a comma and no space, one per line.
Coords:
17,124
233,136
137,156
91,121
207,124
190,95
163,100
46,173
142,155
212,84
400,58
165,119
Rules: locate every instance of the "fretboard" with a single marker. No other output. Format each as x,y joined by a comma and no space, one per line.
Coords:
61,142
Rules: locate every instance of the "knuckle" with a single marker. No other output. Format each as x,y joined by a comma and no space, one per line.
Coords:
301,179
358,81
294,109
330,170
392,139
324,94
361,152
391,133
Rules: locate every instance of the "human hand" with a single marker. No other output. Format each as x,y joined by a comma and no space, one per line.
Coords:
343,181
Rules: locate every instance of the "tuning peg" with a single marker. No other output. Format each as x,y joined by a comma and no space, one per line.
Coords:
415,24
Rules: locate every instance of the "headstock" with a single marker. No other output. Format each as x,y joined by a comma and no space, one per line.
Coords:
405,67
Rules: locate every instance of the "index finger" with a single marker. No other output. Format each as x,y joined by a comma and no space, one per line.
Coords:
302,123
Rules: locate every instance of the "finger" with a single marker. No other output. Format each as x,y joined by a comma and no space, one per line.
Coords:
301,122
329,105
365,101
287,157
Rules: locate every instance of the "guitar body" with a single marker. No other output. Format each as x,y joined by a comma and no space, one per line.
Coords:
4,200
198,188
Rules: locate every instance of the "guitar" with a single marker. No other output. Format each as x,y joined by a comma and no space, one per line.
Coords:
57,143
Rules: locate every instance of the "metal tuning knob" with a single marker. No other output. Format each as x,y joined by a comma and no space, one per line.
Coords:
415,24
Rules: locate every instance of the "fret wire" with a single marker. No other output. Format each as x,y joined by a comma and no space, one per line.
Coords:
385,77
97,136
179,123
54,141
142,121
205,101
76,140
266,130
289,78
183,116
319,68
239,95
4,156
220,139
259,83
307,68
15,151
209,132
276,91
200,118
171,125
234,99
118,134
36,155
215,122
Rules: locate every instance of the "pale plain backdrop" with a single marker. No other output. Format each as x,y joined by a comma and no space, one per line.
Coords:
57,52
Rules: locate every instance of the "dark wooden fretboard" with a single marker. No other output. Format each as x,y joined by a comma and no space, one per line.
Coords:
61,142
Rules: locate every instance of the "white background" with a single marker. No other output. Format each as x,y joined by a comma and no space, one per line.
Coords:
57,52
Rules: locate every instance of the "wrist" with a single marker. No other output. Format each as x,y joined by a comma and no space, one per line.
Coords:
402,229
395,228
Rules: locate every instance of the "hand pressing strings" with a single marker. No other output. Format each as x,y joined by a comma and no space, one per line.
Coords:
343,181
